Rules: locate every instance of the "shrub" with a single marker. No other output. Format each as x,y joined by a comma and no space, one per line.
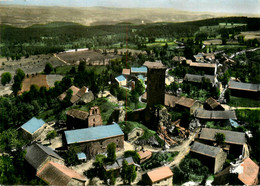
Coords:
6,78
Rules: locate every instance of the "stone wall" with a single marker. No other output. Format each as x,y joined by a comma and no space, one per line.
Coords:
93,148
219,161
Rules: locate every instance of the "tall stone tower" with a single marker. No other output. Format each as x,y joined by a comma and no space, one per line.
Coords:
155,83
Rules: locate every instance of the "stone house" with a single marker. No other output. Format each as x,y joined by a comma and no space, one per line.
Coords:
213,157
182,103
144,155
77,119
158,176
235,141
121,80
207,68
212,104
57,174
199,79
243,172
240,89
215,114
37,155
118,164
94,140
33,128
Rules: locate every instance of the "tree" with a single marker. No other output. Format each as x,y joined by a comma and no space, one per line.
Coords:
9,140
111,152
124,175
227,95
18,78
51,135
133,154
48,68
71,156
131,172
82,66
6,78
220,138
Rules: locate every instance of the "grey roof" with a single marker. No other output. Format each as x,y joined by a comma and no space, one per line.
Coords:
244,86
205,149
215,114
93,133
33,125
231,136
36,154
198,78
128,159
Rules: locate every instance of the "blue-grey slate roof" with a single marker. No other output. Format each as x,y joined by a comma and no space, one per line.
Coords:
244,86
141,69
205,149
120,78
33,125
93,133
81,156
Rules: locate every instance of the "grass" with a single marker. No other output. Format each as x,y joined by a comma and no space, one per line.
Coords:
243,102
63,70
47,115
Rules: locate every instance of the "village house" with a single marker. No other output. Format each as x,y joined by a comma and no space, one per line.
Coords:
158,176
243,172
178,59
33,128
199,57
37,155
235,142
94,140
213,157
78,95
215,114
212,104
182,103
118,164
207,68
199,79
57,174
77,119
144,155
121,80
240,89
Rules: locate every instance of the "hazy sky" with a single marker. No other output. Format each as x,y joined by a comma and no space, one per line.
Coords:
227,6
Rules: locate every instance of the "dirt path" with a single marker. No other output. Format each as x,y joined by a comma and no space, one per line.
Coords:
60,59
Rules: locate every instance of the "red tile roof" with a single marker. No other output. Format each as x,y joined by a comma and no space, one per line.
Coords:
160,174
250,172
144,154
126,71
205,65
57,174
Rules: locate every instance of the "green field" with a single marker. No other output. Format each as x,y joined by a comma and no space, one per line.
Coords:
243,102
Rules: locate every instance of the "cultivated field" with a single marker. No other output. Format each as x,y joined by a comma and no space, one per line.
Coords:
251,35
37,79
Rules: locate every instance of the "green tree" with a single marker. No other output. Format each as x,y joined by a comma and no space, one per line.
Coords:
6,78
51,135
131,172
220,138
111,152
227,95
48,68
124,172
18,78
71,156
9,140
133,154
82,66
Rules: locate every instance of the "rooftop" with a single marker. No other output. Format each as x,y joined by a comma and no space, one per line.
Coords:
212,103
250,172
244,86
231,136
82,115
141,69
57,174
93,133
144,154
126,71
74,92
160,174
205,65
33,125
120,78
198,78
205,149
215,114
154,65
171,101
37,154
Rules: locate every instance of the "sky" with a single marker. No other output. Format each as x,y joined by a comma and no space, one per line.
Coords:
223,6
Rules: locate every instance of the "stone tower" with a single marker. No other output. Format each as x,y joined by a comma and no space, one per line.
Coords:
155,83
